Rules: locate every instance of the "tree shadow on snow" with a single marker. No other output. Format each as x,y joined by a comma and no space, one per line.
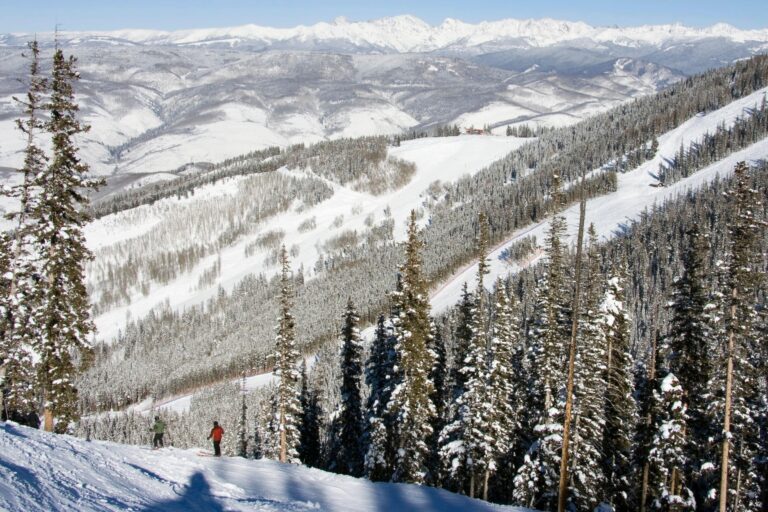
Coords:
196,496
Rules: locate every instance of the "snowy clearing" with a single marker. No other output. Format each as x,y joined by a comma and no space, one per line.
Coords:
48,472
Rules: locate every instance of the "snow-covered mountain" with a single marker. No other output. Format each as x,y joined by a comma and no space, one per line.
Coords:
40,471
405,34
160,100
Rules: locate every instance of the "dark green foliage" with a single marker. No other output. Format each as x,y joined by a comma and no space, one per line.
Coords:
350,454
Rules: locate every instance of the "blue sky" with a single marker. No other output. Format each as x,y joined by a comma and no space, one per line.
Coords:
43,15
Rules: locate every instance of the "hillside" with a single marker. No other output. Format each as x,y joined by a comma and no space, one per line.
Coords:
213,290
46,472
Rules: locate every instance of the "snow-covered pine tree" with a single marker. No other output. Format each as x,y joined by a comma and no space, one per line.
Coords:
441,398
60,215
19,298
379,376
687,347
286,357
620,405
466,446
410,405
586,478
309,449
463,337
503,397
350,451
745,393
646,384
536,484
668,455
242,430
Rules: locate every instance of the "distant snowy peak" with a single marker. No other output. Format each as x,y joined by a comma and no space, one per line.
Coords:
410,34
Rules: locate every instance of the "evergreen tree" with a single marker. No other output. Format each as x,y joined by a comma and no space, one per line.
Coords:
745,394
350,453
668,455
688,350
466,441
620,406
536,484
504,418
410,405
441,398
19,299
287,394
60,215
587,480
463,337
379,376
309,429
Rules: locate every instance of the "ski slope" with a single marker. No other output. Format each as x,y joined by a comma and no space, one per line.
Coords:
611,212
437,159
48,472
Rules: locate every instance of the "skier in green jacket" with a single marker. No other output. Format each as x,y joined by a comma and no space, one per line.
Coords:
159,429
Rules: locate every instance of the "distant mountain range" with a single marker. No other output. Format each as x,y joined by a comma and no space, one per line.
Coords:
408,34
161,100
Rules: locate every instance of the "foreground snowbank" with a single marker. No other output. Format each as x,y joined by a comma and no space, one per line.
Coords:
40,471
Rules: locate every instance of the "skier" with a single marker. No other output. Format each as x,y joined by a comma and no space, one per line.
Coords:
159,429
216,433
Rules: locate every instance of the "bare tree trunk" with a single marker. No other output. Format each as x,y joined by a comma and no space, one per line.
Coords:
472,485
485,484
47,420
727,415
648,421
562,492
283,440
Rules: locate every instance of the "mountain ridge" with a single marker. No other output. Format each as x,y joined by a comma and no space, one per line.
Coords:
407,34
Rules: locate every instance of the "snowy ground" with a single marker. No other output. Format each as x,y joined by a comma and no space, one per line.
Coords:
47,472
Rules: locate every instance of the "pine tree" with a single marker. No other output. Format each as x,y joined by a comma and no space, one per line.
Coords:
286,356
620,406
745,401
688,349
243,427
441,398
60,215
19,299
410,405
379,376
504,417
350,453
536,484
463,337
587,480
669,446
309,428
466,441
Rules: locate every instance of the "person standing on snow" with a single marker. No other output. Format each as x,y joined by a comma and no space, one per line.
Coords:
159,429
216,433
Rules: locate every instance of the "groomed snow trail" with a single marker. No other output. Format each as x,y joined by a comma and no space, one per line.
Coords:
48,472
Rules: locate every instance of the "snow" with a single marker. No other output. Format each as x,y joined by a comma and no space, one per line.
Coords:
410,34
444,159
613,212
42,471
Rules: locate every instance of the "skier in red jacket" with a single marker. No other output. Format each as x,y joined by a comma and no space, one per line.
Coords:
216,433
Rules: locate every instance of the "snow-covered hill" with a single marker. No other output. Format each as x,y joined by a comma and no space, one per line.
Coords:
48,472
160,100
155,108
